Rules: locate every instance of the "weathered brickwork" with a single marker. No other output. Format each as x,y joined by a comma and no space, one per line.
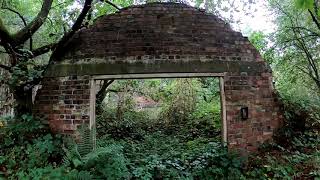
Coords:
264,116
64,102
164,38
161,32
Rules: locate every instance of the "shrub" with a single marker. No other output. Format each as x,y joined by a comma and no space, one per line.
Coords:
25,145
107,162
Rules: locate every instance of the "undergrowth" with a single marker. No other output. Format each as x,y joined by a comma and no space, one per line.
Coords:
136,148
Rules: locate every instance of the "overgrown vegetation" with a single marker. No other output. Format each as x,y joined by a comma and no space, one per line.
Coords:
179,139
26,146
140,146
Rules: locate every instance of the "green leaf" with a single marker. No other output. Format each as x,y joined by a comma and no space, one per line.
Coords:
304,4
76,162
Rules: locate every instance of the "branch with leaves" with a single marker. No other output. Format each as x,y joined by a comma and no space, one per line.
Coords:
112,4
24,34
298,37
20,59
76,26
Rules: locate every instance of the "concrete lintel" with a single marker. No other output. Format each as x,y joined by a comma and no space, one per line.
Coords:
157,75
160,67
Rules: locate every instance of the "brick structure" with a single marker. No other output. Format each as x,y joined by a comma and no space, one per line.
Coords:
64,102
163,38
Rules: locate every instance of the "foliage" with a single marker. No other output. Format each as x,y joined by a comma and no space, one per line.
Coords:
261,41
109,124
26,144
300,160
296,41
180,100
106,162
171,108
162,156
149,150
307,4
184,142
295,151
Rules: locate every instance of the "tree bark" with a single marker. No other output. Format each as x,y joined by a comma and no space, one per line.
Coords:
101,95
5,36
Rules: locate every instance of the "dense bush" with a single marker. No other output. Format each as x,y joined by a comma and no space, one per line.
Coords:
191,106
130,125
25,145
157,156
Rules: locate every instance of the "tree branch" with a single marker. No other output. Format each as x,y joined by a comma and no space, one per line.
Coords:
24,34
316,8
23,20
6,67
42,50
5,36
313,33
17,13
311,61
12,54
112,4
314,19
102,92
310,75
301,44
89,17
76,26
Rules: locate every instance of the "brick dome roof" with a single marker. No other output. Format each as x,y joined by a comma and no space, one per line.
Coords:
160,31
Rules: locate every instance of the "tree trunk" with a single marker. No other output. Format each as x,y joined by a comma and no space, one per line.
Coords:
120,111
101,95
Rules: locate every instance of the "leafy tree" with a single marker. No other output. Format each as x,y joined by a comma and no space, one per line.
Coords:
297,37
23,72
261,41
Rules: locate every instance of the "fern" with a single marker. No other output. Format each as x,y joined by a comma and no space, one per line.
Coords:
108,162
72,157
86,143
76,151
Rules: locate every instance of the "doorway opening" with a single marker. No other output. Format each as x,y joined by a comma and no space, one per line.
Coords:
164,125
185,103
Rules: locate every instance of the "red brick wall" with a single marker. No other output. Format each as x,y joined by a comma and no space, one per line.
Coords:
164,38
161,31
264,117
64,102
